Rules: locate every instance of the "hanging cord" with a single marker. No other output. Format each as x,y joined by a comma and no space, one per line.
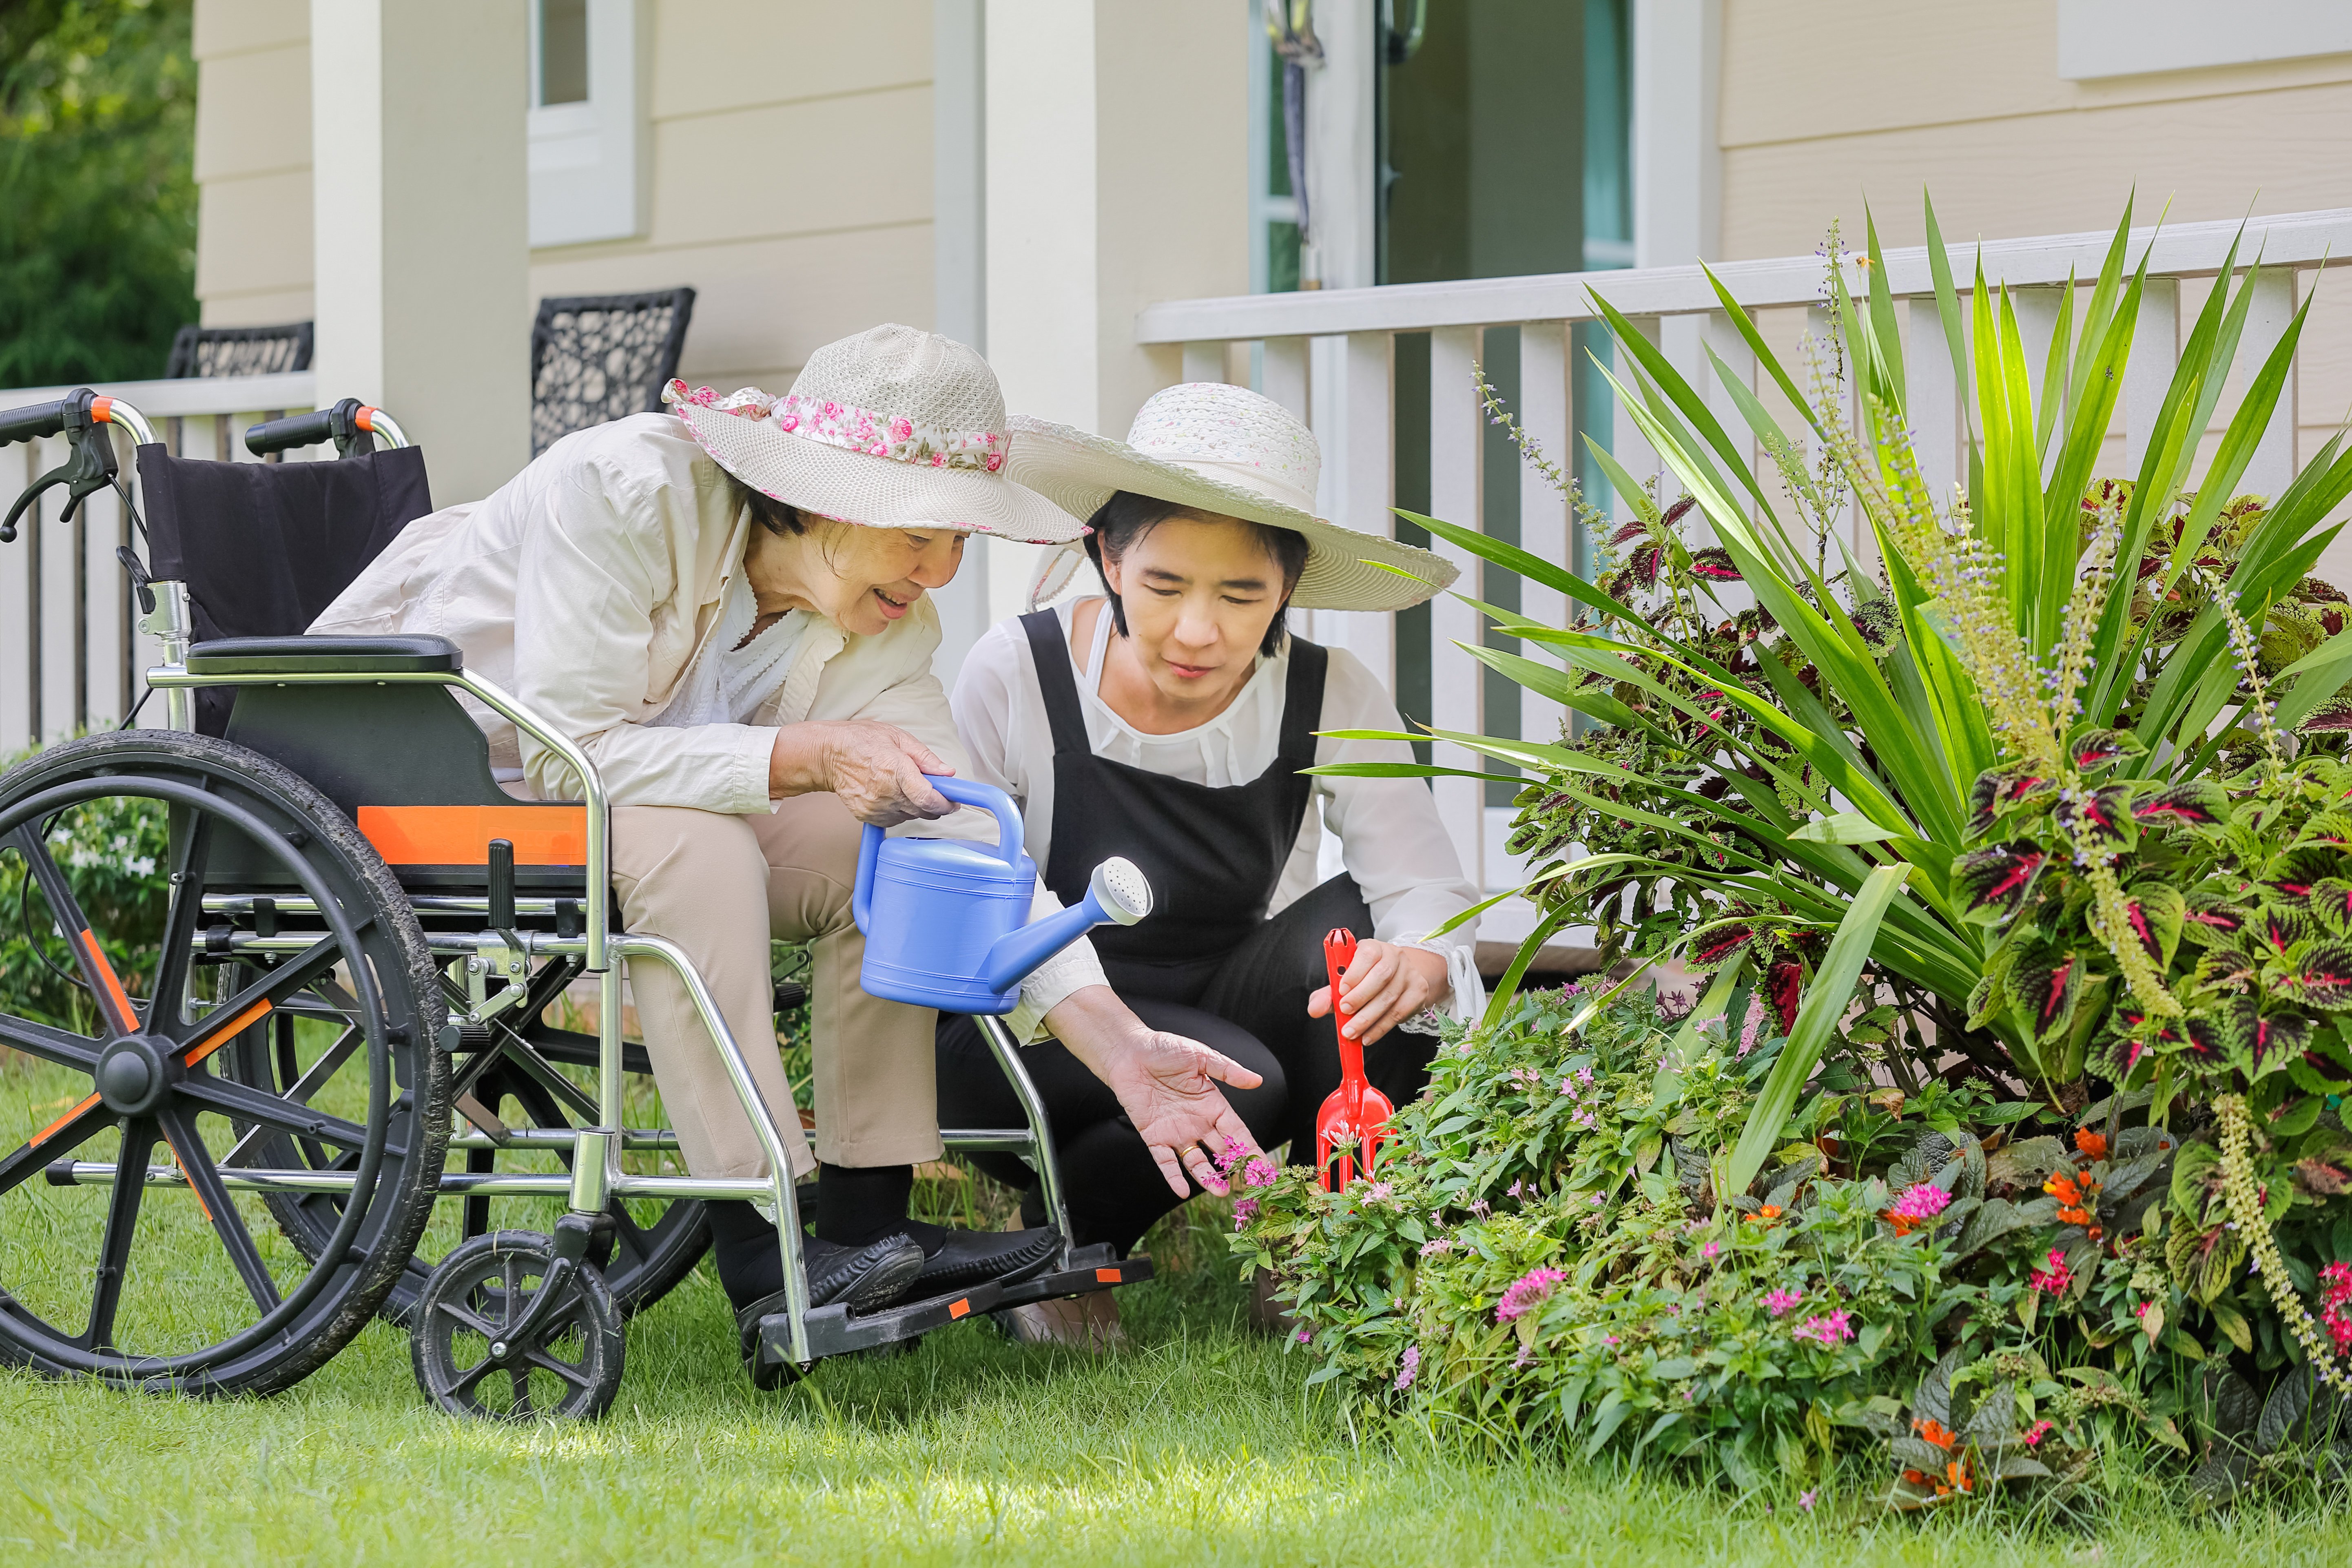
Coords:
140,586
1054,575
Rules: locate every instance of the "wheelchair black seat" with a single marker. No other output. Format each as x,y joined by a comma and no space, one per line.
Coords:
396,655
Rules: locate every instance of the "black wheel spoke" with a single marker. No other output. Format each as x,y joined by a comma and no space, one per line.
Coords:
51,1045
469,1321
165,1009
121,1222
55,1141
223,1024
96,973
243,1103
512,1305
329,1063
469,1379
563,1369
628,1235
205,1181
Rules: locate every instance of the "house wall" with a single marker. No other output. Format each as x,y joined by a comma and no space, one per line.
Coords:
1823,107
791,186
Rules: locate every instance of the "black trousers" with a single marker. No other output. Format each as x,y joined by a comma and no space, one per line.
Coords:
1249,1004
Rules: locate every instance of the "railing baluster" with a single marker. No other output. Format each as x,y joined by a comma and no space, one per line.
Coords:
20,630
1204,362
1932,406
1354,426
1456,682
2272,468
1286,373
1626,442
2154,357
60,584
103,526
1544,522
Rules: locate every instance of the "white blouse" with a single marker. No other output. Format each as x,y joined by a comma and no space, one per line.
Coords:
1390,838
735,673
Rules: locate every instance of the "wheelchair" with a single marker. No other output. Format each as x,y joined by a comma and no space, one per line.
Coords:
357,1000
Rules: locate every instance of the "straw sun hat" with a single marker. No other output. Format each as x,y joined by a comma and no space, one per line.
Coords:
891,428
1226,450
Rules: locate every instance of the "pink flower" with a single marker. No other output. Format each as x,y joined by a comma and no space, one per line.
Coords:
1709,1250
1805,1501
1409,1368
939,459
2035,1433
1438,1248
1525,1356
902,430
1924,1201
1527,1293
1780,1303
2054,1278
1260,1172
1378,1192
995,461
1235,1152
788,423
1304,1336
1829,1330
1244,1211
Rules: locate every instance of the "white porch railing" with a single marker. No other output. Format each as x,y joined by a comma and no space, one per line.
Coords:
70,650
1330,356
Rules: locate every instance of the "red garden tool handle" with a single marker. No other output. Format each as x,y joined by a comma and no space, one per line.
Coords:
1338,951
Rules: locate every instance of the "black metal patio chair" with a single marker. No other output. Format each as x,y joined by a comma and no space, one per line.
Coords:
597,357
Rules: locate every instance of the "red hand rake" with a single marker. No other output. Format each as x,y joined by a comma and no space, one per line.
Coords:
1356,1115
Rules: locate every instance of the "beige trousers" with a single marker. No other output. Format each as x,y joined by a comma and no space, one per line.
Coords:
719,887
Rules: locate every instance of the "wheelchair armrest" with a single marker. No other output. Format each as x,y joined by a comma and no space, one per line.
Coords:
326,655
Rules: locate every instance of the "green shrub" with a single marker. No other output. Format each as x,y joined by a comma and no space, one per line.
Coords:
113,851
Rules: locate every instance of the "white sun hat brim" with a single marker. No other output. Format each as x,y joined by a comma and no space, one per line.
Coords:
881,493
1346,568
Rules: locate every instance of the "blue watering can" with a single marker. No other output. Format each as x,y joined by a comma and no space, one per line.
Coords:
947,920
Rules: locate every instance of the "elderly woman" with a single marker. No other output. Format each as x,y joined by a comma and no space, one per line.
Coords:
725,607
1170,721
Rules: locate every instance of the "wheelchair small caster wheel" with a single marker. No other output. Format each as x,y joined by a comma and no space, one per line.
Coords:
565,1363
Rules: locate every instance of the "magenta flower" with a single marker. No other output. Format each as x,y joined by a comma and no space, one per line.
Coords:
1409,1368
1244,1211
1527,1293
1260,1172
1780,1303
1805,1501
2054,1278
1709,1250
1918,1205
1829,1330
2035,1433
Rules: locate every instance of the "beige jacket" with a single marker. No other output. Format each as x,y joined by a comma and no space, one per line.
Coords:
586,584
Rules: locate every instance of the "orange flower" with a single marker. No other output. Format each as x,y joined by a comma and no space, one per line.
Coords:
1766,1215
1956,1478
1937,1433
2077,1196
1917,1478
2092,1145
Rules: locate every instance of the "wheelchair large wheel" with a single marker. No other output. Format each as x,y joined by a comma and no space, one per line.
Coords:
128,1144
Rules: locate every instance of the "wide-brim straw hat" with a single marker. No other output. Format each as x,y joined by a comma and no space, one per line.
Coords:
1228,451
891,428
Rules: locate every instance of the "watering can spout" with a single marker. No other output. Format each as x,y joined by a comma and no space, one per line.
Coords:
1116,892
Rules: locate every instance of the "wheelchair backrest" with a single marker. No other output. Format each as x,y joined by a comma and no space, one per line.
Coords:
265,547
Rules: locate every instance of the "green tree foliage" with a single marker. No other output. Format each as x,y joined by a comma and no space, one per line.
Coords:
97,195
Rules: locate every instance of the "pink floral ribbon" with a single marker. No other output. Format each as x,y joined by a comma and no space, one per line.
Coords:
854,429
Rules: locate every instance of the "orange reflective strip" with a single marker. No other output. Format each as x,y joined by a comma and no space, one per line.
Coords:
125,1020
202,1207
212,1040
101,411
957,1308
1105,1276
53,1128
365,419
461,835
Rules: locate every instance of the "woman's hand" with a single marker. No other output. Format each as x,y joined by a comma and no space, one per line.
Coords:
878,770
1166,1084
1383,987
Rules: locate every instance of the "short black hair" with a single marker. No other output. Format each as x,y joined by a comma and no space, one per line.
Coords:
777,517
1121,521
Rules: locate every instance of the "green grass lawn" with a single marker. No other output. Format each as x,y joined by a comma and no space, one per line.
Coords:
1200,1444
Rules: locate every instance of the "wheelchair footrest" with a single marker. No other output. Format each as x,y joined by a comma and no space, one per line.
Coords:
831,1331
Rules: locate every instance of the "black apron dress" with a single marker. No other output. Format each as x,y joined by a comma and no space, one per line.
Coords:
1213,854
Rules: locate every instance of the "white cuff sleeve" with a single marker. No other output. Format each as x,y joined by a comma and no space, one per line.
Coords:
1468,997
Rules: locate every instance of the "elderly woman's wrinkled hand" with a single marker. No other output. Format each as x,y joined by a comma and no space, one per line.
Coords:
878,770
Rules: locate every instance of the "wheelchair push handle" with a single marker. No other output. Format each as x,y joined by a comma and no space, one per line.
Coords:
353,427
82,417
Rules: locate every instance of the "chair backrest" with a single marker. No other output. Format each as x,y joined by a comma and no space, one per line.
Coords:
599,357
238,351
265,547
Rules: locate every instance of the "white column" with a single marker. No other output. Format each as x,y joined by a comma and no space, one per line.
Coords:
1285,375
421,236
2272,468
1117,146
1677,155
1343,139
959,265
1456,680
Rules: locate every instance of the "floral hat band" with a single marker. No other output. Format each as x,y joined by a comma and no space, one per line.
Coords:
867,431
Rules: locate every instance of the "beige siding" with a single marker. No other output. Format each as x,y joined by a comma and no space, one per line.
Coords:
253,160
791,185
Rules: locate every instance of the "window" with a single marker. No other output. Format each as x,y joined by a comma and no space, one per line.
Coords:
587,139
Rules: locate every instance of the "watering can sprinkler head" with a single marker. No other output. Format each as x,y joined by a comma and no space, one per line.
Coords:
1122,890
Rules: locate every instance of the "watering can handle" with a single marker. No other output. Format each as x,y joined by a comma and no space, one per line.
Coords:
963,792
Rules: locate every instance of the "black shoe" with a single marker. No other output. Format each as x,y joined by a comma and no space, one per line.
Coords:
959,1260
867,1278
